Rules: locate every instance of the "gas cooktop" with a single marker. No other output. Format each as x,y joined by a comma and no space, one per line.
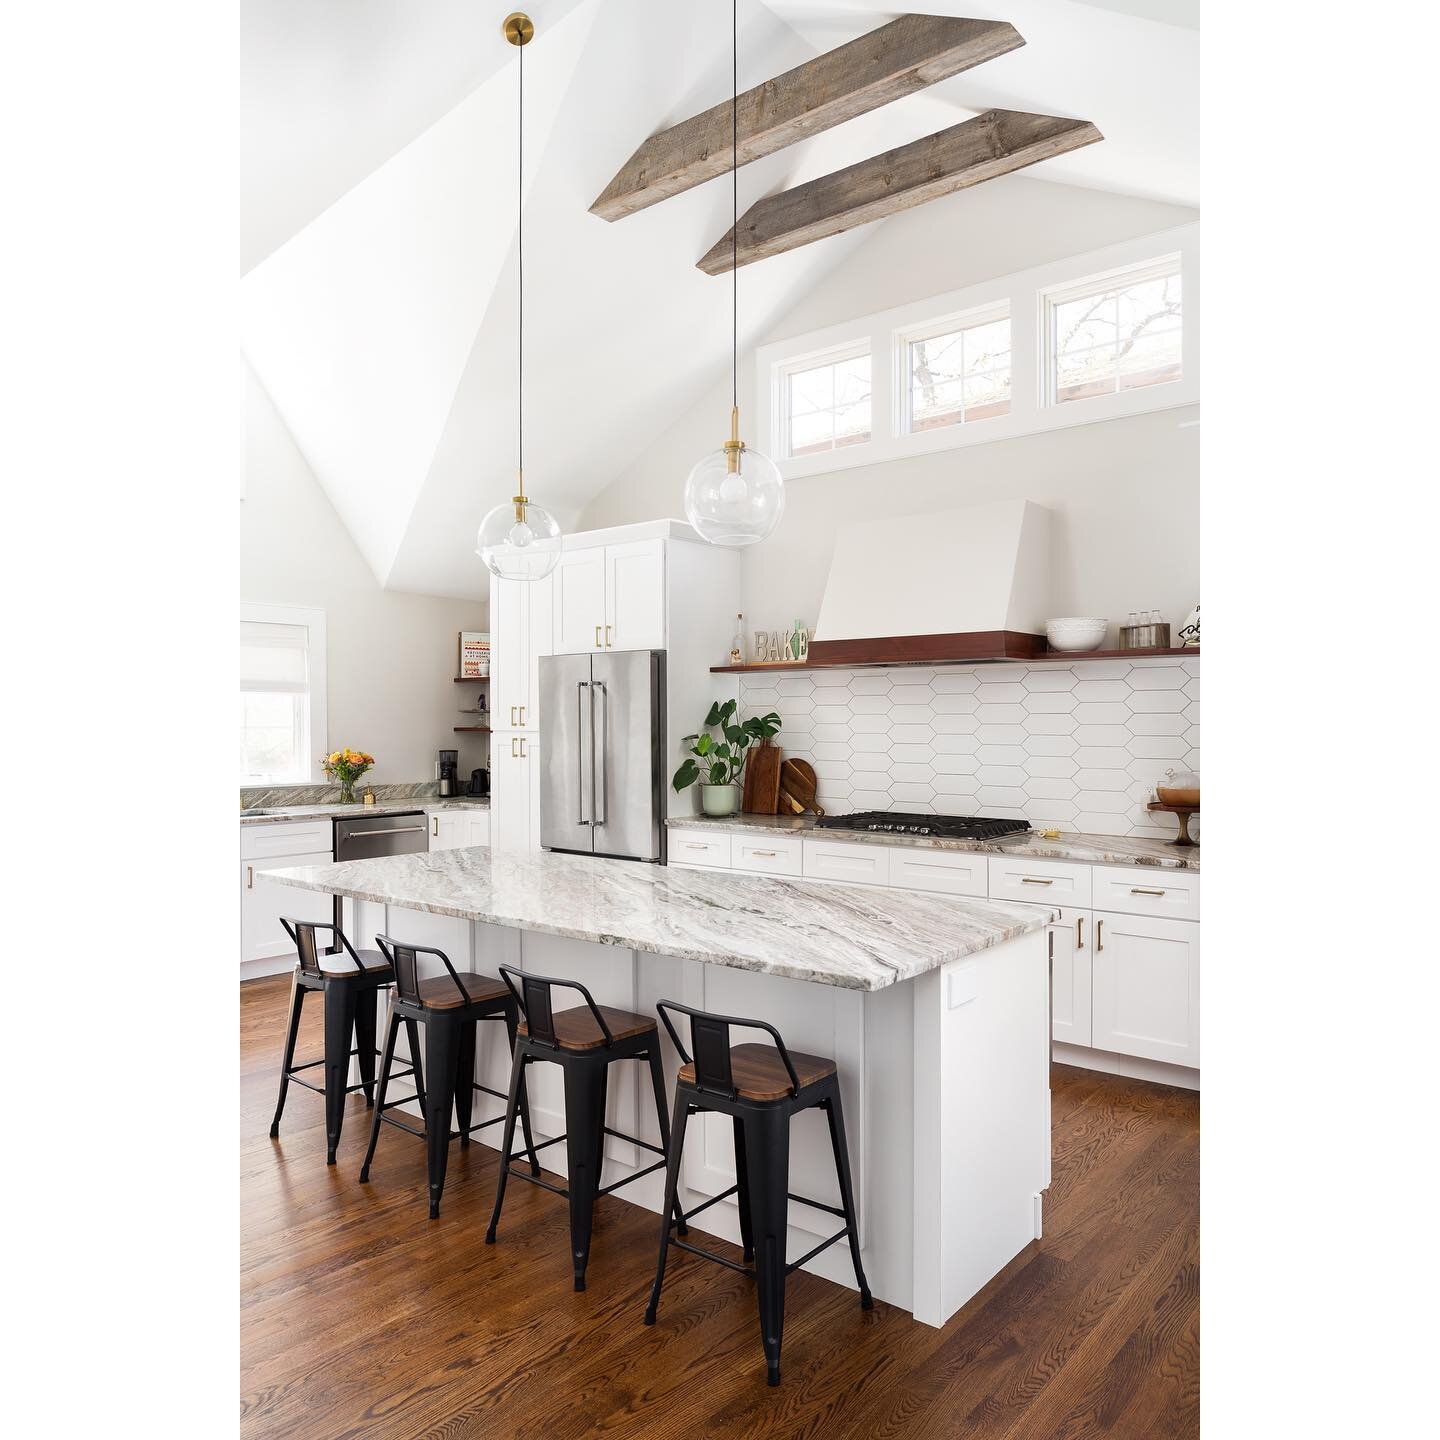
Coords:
943,827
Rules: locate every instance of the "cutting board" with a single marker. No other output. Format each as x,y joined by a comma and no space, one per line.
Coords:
797,788
761,795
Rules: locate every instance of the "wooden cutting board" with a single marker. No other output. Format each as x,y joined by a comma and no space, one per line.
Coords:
797,787
761,795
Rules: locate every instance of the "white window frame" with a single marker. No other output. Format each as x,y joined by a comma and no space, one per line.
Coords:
942,325
818,360
886,333
314,622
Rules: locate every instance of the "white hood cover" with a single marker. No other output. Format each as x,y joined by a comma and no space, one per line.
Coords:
985,567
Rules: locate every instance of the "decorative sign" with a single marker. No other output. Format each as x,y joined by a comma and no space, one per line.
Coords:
474,655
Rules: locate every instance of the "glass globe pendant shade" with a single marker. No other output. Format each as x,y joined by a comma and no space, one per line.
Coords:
519,541
734,496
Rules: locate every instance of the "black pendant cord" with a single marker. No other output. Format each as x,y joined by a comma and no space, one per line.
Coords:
734,204
520,241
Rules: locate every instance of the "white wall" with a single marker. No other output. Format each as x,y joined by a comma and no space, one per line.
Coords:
1125,492
391,656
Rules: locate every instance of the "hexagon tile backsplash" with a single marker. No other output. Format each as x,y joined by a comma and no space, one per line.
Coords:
1079,749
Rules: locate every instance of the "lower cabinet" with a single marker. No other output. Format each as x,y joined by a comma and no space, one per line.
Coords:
262,937
1146,987
456,829
1071,948
514,791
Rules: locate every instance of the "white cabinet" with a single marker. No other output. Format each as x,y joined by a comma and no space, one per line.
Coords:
610,597
520,633
476,826
766,854
514,782
856,864
1146,987
262,938
456,829
949,872
1047,882
707,848
1169,894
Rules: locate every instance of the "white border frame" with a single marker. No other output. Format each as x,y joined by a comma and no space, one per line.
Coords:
314,622
819,360
1025,293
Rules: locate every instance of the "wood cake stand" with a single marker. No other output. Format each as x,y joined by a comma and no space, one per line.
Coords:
1183,814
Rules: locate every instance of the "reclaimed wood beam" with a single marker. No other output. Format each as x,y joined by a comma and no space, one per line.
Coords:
897,59
995,143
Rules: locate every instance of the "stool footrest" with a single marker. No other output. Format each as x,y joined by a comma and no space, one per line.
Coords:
794,1265
710,1255
649,1169
311,1064
635,1140
713,1200
320,1089
544,1184
816,1204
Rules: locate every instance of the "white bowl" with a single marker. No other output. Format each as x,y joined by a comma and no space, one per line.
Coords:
1076,632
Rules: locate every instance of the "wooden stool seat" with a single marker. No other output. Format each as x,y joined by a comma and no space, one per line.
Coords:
375,967
441,992
760,1074
577,1029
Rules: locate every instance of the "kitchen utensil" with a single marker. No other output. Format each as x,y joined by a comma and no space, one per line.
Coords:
797,787
1076,633
762,780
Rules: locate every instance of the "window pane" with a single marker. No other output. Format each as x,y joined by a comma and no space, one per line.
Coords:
272,734
961,375
829,406
1120,337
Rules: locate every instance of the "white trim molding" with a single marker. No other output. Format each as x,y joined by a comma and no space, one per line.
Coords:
1024,297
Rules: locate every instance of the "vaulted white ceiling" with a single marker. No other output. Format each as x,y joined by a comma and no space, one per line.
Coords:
380,216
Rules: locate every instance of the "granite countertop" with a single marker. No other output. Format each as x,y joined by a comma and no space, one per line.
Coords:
856,937
430,804
1089,849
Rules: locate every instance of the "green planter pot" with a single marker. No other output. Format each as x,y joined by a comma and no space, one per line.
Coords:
719,800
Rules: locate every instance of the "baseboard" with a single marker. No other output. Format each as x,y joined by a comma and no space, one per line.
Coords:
1130,1066
277,965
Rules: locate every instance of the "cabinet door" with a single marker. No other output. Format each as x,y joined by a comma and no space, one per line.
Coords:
510,786
1071,941
509,651
262,903
1147,987
539,623
477,828
635,595
579,601
445,830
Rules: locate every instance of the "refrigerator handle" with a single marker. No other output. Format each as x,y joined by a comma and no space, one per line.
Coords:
580,752
600,777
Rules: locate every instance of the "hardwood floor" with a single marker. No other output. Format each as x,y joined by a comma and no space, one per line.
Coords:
361,1317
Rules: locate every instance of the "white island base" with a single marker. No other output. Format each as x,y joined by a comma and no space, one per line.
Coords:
945,1081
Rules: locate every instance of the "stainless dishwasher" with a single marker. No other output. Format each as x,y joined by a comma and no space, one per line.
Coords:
364,837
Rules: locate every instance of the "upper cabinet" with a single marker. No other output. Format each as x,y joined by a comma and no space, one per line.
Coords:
610,597
520,633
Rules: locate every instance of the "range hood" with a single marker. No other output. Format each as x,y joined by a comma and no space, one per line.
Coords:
965,585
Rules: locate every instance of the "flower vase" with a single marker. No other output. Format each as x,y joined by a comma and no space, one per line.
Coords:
347,792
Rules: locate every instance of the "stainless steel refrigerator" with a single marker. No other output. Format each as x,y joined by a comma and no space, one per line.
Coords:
602,749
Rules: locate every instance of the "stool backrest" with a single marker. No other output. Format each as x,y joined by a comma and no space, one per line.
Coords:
302,932
404,960
710,1035
537,1005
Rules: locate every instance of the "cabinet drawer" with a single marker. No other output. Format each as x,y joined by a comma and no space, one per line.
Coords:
307,837
1138,890
947,872
766,854
1048,882
859,864
700,847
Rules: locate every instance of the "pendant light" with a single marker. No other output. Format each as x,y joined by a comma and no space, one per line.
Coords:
520,540
735,495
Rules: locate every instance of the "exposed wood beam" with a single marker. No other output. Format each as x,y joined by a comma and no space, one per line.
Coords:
904,56
991,144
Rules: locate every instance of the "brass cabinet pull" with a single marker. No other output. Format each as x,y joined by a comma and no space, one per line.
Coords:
249,877
607,637
1050,936
522,717
1079,932
696,845
598,645
1026,880
512,715
514,753
1141,890
522,747
434,827
1099,936
764,854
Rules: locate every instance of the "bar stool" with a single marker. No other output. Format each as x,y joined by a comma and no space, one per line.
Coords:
584,1042
760,1087
350,982
450,1008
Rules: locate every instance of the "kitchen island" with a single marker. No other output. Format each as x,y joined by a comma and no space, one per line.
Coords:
935,1009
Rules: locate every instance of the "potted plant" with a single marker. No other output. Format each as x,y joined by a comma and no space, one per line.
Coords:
346,766
716,759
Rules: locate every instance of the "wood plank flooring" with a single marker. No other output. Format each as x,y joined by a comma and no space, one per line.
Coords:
361,1317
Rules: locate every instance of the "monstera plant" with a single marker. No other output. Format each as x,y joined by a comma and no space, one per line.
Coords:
717,755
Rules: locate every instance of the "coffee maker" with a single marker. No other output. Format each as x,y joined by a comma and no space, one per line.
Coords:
447,772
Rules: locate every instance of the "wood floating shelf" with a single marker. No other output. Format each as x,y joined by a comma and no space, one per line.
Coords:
1048,657
472,679
472,729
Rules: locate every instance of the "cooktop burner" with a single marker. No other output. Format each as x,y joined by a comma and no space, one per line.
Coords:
943,827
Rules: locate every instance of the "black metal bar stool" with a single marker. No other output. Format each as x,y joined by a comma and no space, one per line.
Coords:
350,982
584,1042
760,1087
450,1007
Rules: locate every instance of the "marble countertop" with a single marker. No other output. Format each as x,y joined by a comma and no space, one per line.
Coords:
856,937
430,804
1089,849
